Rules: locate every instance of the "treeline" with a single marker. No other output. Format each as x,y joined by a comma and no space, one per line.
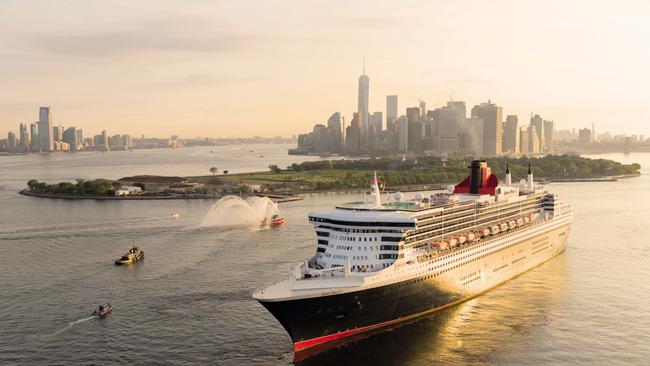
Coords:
80,188
548,166
430,170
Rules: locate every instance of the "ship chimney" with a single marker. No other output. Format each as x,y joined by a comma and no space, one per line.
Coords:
530,178
476,176
508,178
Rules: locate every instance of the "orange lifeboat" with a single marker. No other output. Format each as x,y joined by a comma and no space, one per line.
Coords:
485,232
494,230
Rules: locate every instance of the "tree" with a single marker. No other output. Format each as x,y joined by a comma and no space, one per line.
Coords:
213,170
274,168
225,172
244,188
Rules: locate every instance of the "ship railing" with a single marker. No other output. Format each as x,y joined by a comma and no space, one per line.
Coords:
302,272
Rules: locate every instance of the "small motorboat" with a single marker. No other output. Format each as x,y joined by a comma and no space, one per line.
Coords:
174,215
277,220
134,255
103,310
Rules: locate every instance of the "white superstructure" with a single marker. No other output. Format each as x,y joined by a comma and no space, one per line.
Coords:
465,242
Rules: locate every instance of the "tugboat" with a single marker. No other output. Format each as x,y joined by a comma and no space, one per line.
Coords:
103,310
134,255
277,220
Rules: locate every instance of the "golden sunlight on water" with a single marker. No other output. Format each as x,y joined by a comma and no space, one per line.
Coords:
190,300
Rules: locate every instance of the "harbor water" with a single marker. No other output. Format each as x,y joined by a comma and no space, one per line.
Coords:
189,301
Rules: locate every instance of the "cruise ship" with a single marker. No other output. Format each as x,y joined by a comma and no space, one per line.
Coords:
378,264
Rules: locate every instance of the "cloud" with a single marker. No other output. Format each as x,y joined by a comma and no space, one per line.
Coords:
159,35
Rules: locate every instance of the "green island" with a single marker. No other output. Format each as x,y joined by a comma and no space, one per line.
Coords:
346,174
333,175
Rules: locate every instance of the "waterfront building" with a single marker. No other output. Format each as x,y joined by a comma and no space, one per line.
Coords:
33,129
549,127
492,116
353,137
402,134
593,133
57,133
537,123
70,137
335,125
585,136
524,140
11,141
320,139
475,127
377,121
362,105
535,145
127,142
511,134
46,142
24,137
391,112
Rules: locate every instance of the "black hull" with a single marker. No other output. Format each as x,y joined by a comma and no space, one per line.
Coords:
313,321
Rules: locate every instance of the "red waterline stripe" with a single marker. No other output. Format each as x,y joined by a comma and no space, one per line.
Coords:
302,345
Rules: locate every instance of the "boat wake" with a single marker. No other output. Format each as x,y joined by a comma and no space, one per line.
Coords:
234,211
72,324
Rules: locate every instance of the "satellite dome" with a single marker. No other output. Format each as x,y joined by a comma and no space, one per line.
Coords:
398,196
419,196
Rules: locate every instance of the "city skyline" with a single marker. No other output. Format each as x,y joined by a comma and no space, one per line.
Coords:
150,69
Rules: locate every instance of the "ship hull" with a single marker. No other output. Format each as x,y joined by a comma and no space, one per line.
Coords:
317,320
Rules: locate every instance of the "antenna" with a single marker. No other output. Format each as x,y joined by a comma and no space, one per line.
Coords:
364,65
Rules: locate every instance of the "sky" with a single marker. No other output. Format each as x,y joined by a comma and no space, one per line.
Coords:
267,68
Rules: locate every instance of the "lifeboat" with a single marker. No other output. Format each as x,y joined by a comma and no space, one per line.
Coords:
453,242
462,239
526,219
444,245
485,232
503,227
520,222
471,236
512,224
494,230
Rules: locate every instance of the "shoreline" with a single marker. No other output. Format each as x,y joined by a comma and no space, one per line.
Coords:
296,196
277,198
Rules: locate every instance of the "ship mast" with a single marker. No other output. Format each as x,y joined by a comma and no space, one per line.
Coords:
376,195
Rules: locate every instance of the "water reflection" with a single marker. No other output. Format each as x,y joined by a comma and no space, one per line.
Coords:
475,332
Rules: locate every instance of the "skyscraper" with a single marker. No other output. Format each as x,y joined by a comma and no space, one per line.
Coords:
549,127
492,116
70,137
377,121
45,141
362,108
33,129
335,127
402,134
24,137
391,112
538,124
524,140
511,134
11,141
